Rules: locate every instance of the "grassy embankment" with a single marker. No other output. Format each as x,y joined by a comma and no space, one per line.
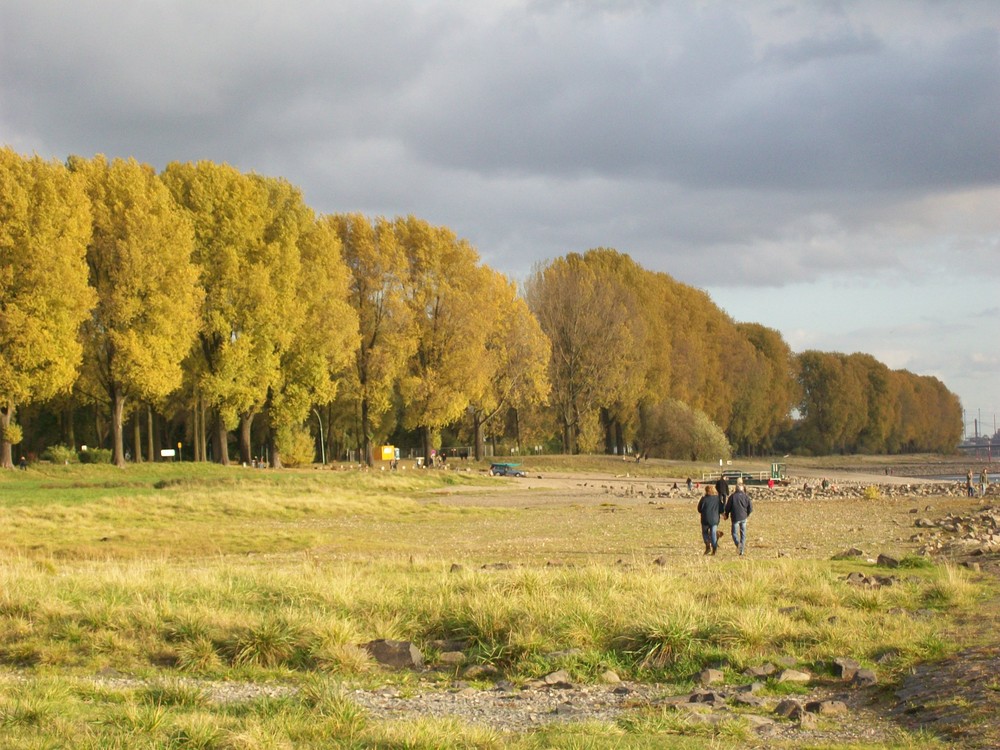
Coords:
179,575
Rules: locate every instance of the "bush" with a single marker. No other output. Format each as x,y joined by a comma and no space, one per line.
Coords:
95,456
296,446
672,429
60,454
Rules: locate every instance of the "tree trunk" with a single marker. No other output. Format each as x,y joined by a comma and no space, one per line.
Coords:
136,438
331,451
221,440
6,453
478,429
366,438
246,423
196,429
620,438
150,446
117,410
201,437
608,426
71,427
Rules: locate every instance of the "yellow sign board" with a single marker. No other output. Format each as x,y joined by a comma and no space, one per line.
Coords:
388,452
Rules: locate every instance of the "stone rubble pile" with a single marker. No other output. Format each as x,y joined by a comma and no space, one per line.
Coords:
973,533
556,697
796,492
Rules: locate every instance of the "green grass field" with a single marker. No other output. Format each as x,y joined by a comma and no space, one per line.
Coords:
174,576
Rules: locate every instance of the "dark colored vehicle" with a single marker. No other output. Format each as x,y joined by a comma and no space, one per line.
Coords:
506,470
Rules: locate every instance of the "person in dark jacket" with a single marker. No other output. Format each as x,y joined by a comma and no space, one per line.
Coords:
738,509
710,508
722,488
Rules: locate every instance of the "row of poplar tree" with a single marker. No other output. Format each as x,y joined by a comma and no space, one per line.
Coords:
222,300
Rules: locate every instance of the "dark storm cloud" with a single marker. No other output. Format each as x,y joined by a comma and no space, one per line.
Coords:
682,131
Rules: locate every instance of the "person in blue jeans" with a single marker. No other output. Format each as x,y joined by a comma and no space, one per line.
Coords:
738,509
710,508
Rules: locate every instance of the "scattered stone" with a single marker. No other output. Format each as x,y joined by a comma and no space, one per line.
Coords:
764,670
711,677
795,676
849,554
610,677
661,561
452,658
758,723
559,679
864,678
747,699
827,708
480,672
711,697
789,708
395,654
845,668
455,568
808,721
885,561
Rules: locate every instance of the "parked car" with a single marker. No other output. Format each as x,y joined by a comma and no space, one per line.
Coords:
506,470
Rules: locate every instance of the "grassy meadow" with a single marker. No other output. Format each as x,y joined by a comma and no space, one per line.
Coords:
125,595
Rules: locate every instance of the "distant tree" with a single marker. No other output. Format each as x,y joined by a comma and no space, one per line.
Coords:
247,230
378,266
450,322
139,257
323,343
584,314
672,429
45,225
767,392
516,356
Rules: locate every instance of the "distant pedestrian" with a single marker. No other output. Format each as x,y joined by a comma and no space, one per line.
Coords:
710,508
969,490
722,487
23,464
690,484
984,481
738,509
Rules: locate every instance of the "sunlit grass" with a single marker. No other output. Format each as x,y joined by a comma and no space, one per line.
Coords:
177,575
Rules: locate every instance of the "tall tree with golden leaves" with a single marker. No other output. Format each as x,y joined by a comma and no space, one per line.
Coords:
450,322
313,364
44,295
377,266
516,356
139,257
585,314
247,230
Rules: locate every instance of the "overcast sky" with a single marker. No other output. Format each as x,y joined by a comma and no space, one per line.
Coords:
830,169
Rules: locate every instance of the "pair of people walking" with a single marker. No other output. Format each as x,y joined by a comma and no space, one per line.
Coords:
715,505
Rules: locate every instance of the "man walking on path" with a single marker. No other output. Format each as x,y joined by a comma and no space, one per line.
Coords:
710,508
738,509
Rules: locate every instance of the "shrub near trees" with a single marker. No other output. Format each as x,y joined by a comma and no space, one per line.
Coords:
219,300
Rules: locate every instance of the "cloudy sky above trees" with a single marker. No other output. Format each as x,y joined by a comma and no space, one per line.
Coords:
830,168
